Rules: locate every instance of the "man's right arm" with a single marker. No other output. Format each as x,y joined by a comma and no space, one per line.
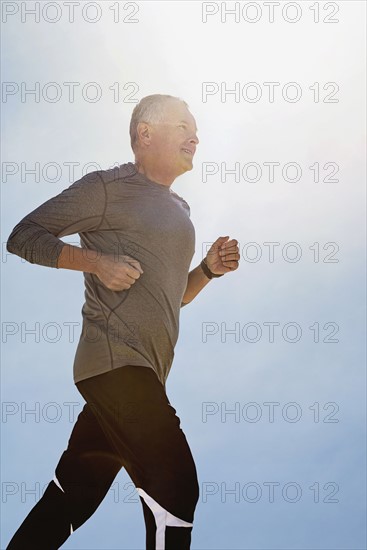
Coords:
80,259
115,273
79,208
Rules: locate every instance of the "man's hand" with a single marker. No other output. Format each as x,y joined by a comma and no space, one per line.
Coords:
223,256
118,274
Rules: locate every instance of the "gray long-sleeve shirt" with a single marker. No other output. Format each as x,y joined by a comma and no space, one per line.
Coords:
119,211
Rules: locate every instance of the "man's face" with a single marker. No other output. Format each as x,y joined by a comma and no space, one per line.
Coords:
173,142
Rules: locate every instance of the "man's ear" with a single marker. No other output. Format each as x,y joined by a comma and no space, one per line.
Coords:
144,133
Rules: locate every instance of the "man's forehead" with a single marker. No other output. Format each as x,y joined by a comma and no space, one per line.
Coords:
177,112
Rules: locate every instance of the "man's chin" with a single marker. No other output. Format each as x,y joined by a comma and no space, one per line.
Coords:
184,166
188,164
187,167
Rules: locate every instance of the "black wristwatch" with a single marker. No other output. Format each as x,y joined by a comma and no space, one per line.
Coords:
208,273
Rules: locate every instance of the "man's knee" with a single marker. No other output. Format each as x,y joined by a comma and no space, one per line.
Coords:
81,499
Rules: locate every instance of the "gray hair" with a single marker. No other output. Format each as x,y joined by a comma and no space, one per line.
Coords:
150,109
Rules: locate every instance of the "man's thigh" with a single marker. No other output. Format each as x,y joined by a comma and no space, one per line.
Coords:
87,467
135,414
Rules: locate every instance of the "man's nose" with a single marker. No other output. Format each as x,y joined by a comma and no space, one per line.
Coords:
194,139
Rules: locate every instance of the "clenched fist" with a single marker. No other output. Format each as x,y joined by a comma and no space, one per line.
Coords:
118,274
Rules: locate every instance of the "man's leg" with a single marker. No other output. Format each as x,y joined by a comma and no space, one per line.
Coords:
136,415
82,478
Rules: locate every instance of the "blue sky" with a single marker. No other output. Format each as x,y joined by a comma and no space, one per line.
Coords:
313,452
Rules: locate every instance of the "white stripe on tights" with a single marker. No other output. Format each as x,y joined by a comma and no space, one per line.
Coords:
59,486
162,518
58,483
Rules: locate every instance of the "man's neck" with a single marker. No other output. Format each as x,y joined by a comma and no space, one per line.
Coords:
155,174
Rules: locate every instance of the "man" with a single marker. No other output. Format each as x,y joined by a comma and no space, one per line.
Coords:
137,242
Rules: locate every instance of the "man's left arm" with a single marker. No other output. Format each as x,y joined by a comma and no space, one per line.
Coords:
221,258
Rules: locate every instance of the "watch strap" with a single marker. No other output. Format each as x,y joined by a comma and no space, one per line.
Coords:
208,273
